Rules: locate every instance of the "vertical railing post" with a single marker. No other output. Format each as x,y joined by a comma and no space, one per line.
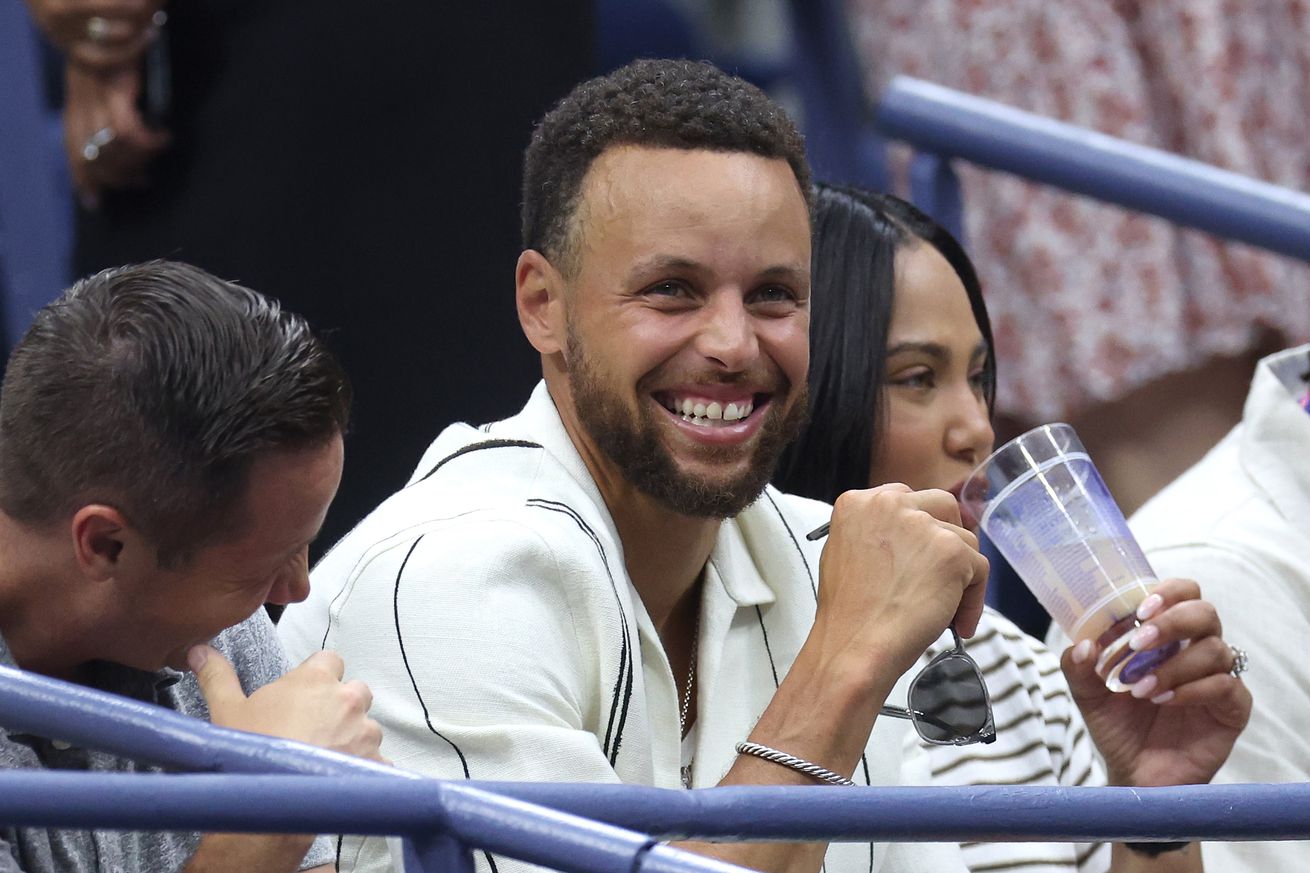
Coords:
840,139
437,854
935,188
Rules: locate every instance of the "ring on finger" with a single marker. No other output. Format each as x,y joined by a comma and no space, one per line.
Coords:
1240,662
96,142
97,28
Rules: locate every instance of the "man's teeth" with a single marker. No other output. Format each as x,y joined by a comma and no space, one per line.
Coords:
699,412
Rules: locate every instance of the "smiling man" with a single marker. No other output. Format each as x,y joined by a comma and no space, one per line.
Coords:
169,445
602,588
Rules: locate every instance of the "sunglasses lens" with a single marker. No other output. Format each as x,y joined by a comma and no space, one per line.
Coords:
951,700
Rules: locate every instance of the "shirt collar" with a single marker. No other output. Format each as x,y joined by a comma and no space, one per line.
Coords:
117,678
540,422
750,550
737,567
104,676
1276,438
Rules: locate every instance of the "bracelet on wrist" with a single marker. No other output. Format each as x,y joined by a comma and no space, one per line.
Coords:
800,765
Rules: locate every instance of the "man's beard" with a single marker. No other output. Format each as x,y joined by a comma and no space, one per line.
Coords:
632,443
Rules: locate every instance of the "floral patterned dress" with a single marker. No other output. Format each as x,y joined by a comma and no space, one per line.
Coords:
1089,301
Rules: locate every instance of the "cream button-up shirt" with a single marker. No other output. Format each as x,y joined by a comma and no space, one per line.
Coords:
488,607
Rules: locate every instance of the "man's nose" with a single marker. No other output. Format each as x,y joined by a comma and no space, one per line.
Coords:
292,585
727,335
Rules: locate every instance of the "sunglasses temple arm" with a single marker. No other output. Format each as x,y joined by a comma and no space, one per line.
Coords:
911,715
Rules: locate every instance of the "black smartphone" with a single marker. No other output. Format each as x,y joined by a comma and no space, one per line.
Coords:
155,101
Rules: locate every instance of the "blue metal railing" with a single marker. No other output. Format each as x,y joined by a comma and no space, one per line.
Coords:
88,718
478,812
950,124
273,785
445,822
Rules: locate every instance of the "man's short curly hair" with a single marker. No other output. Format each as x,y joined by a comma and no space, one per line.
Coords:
654,103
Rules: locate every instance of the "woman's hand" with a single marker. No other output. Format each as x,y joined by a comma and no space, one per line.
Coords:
98,35
107,142
1177,725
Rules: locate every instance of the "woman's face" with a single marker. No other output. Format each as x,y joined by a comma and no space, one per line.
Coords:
936,427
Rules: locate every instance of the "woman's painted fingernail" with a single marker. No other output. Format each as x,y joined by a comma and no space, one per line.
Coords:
1164,697
1082,652
1144,637
1149,607
1143,687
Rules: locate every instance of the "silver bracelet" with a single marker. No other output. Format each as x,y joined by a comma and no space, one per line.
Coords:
800,765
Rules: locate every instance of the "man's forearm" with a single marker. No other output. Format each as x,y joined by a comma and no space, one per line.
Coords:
250,853
822,714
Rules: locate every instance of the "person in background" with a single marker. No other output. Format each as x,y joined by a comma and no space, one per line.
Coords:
169,445
902,376
1238,522
361,167
1140,333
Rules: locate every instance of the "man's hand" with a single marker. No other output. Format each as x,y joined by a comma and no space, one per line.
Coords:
1187,733
309,703
107,143
898,568
98,36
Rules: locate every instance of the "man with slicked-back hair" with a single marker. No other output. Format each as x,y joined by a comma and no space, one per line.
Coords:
169,445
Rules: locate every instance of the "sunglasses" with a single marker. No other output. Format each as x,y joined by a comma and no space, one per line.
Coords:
949,703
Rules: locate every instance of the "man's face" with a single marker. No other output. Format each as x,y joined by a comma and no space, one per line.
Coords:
287,497
687,322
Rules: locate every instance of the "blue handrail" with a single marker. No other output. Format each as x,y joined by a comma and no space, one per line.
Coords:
93,719
952,124
49,707
324,794
510,817
334,804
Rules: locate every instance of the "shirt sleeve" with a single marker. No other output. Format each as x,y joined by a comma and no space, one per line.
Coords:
254,650
323,851
491,652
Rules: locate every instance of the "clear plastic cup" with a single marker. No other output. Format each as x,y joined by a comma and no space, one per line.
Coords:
1042,502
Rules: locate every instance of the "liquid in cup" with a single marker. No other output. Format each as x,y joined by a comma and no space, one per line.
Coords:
1042,502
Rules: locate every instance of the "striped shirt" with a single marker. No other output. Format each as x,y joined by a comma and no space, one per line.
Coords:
1040,740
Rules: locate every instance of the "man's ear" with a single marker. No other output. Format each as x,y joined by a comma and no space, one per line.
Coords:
102,541
539,295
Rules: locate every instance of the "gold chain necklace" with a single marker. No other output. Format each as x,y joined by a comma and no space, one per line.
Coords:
686,700
691,679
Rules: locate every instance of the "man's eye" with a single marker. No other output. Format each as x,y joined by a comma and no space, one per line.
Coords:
667,289
774,294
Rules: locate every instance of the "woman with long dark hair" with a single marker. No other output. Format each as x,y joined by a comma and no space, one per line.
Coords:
902,380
